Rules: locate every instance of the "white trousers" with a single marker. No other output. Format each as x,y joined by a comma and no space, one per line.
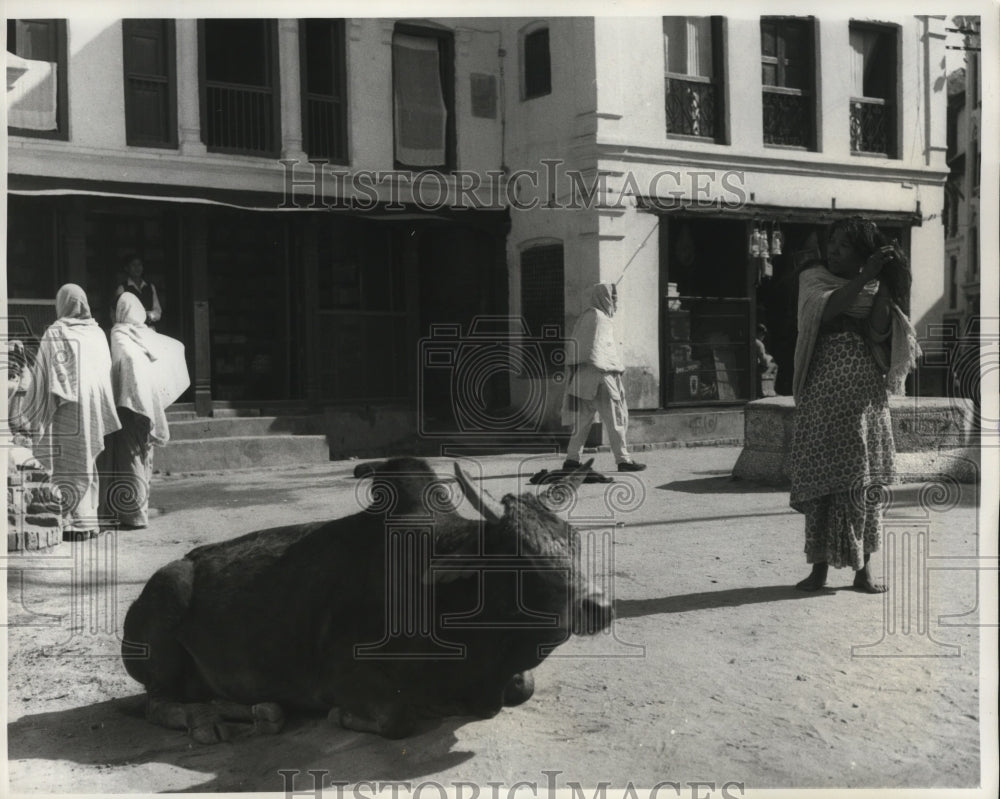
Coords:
613,413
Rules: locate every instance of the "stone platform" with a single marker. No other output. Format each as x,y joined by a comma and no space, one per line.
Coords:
935,437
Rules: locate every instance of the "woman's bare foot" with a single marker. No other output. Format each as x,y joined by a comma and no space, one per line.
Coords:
863,582
816,580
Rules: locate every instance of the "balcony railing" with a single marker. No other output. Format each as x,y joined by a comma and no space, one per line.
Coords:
325,129
240,118
690,105
870,125
787,117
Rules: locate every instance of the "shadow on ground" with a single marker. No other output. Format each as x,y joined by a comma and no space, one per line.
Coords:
705,600
114,734
721,484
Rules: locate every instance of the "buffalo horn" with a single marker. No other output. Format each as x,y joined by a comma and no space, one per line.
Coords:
481,500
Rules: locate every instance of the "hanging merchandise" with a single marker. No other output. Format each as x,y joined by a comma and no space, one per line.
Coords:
777,240
755,243
767,269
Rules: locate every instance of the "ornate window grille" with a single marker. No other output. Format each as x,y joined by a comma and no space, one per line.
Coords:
691,106
787,117
692,77
870,120
872,65
787,55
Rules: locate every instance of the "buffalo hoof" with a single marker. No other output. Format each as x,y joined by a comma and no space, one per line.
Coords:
519,689
206,727
268,718
391,723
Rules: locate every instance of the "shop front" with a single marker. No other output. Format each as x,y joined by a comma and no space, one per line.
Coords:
298,309
728,299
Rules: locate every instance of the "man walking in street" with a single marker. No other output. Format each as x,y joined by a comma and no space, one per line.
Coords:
595,387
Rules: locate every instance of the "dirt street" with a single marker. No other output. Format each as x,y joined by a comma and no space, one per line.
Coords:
716,670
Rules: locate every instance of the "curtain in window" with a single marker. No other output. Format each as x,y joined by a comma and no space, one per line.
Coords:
863,43
418,100
699,33
32,93
687,45
675,45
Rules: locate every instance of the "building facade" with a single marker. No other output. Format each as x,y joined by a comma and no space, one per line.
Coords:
711,138
962,275
329,207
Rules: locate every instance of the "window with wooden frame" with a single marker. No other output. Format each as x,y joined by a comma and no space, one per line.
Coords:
323,54
536,63
423,95
240,101
874,111
150,71
37,85
787,56
693,77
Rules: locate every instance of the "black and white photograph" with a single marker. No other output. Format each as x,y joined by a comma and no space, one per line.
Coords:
562,400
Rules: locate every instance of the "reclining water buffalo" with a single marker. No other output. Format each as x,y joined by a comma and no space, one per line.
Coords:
403,611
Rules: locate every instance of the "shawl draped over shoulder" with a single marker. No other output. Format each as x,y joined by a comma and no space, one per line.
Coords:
593,353
148,370
815,287
593,339
73,365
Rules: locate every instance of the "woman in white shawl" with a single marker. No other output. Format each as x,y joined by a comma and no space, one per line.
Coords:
148,373
70,406
855,347
596,385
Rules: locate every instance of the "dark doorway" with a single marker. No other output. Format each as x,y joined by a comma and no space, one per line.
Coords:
249,297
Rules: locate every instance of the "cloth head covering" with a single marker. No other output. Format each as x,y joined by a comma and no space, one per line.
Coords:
73,365
602,297
130,310
71,302
138,384
815,287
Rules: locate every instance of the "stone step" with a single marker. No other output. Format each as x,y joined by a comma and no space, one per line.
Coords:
226,427
240,452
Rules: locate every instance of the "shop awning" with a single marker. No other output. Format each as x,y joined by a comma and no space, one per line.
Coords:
775,213
46,186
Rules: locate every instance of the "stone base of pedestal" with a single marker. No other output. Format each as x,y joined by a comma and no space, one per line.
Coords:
34,521
935,438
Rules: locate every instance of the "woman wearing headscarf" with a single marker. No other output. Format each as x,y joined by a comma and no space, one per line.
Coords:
855,348
595,388
148,373
70,407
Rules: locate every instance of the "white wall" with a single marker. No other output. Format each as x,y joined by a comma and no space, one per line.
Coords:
96,148
632,140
